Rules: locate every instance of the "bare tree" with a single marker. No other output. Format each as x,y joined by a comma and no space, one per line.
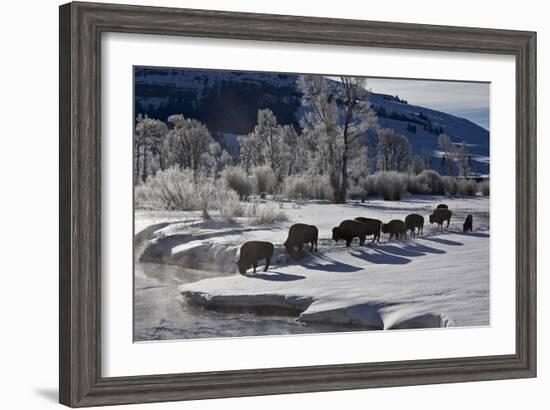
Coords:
449,152
418,164
293,150
463,159
189,141
149,137
266,145
394,152
340,116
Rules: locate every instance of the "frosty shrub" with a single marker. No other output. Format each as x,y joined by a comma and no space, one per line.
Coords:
450,185
261,214
484,188
467,187
417,185
319,187
228,203
144,197
391,185
264,180
432,180
237,180
301,187
172,188
205,191
356,192
296,188
369,185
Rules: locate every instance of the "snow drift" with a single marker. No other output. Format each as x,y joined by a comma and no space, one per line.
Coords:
445,283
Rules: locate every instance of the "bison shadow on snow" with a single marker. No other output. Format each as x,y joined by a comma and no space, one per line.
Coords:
331,265
443,241
276,276
475,234
380,257
395,255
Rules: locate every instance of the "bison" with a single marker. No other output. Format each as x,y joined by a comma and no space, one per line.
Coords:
467,227
439,216
414,221
442,206
374,226
395,228
298,235
253,251
348,230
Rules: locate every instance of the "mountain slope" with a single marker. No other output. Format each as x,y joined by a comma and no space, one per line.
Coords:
228,102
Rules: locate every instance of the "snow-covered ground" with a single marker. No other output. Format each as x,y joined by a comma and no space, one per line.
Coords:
438,279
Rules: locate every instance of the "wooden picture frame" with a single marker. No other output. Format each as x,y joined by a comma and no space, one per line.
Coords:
81,27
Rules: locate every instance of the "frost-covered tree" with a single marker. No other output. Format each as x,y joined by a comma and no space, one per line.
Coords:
214,160
394,151
150,136
359,171
266,145
250,152
417,164
189,142
449,153
294,151
463,156
338,117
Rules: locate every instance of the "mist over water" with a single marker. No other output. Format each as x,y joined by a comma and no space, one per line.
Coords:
160,313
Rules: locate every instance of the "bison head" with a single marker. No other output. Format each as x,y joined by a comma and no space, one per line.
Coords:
336,234
385,228
243,266
431,219
290,248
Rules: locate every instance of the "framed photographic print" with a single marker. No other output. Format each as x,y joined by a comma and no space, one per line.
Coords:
261,204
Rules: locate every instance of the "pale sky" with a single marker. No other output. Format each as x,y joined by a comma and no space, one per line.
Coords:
463,99
467,100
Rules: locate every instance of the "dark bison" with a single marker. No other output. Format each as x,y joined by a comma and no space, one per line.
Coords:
442,206
439,216
298,235
374,226
252,252
395,228
347,230
414,221
467,227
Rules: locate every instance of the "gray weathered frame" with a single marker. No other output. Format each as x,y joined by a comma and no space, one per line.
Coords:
81,26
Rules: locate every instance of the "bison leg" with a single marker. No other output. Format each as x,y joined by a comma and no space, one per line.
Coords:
267,262
348,243
362,240
255,265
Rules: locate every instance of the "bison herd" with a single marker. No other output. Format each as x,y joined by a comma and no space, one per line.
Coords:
300,234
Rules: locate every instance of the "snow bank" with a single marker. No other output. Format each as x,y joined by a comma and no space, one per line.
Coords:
433,281
190,242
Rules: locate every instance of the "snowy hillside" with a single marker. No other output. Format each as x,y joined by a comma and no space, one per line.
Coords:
228,101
